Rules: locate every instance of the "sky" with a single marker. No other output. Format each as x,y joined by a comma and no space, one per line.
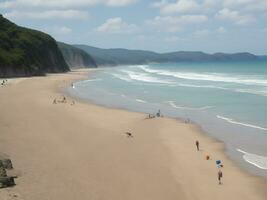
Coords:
159,25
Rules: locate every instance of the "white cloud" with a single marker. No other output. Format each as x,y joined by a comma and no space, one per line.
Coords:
175,23
62,3
51,14
231,3
179,19
185,6
159,4
119,2
221,30
116,26
211,5
260,6
246,5
234,16
181,6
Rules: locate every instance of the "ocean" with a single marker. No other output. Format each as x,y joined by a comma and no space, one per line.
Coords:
228,100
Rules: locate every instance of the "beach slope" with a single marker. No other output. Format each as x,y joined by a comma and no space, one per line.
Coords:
80,151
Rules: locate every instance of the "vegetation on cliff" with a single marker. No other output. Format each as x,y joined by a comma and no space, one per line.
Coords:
26,52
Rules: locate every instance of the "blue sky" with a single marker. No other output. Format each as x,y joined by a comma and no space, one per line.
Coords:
159,25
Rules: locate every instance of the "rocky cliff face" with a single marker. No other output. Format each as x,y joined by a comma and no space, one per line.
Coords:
75,57
26,52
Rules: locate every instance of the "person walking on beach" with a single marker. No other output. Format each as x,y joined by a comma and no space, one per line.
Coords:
197,144
158,114
220,175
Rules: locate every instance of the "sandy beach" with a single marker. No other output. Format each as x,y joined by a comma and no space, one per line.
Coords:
64,152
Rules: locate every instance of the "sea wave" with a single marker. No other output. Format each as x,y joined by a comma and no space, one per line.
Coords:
145,77
122,77
254,159
240,123
202,86
215,77
90,80
172,103
248,91
141,100
84,81
251,91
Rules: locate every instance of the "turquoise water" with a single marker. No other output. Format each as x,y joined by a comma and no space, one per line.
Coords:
227,99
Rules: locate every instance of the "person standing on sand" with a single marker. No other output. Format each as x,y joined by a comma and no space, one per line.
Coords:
197,144
158,114
220,175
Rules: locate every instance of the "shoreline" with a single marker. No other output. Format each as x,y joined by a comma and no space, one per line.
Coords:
232,151
98,161
248,167
194,125
197,127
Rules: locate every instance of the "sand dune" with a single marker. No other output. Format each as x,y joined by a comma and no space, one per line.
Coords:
80,151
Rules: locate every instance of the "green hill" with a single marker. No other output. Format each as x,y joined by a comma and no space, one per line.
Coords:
119,56
26,52
126,56
75,57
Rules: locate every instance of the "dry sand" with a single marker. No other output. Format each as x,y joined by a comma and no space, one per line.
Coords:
67,152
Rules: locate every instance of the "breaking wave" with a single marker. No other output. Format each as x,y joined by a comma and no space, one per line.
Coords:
144,77
254,159
172,104
240,123
215,77
140,100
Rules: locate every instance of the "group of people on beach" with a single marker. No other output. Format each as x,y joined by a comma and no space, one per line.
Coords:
218,163
62,100
158,114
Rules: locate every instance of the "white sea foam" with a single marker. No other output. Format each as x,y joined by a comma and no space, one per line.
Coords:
140,100
254,159
215,77
188,108
90,80
250,91
122,77
240,123
201,86
85,81
145,77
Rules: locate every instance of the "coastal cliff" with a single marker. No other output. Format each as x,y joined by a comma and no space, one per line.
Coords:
75,57
26,52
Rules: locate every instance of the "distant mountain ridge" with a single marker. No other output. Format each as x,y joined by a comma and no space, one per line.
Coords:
75,57
118,56
125,56
27,52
